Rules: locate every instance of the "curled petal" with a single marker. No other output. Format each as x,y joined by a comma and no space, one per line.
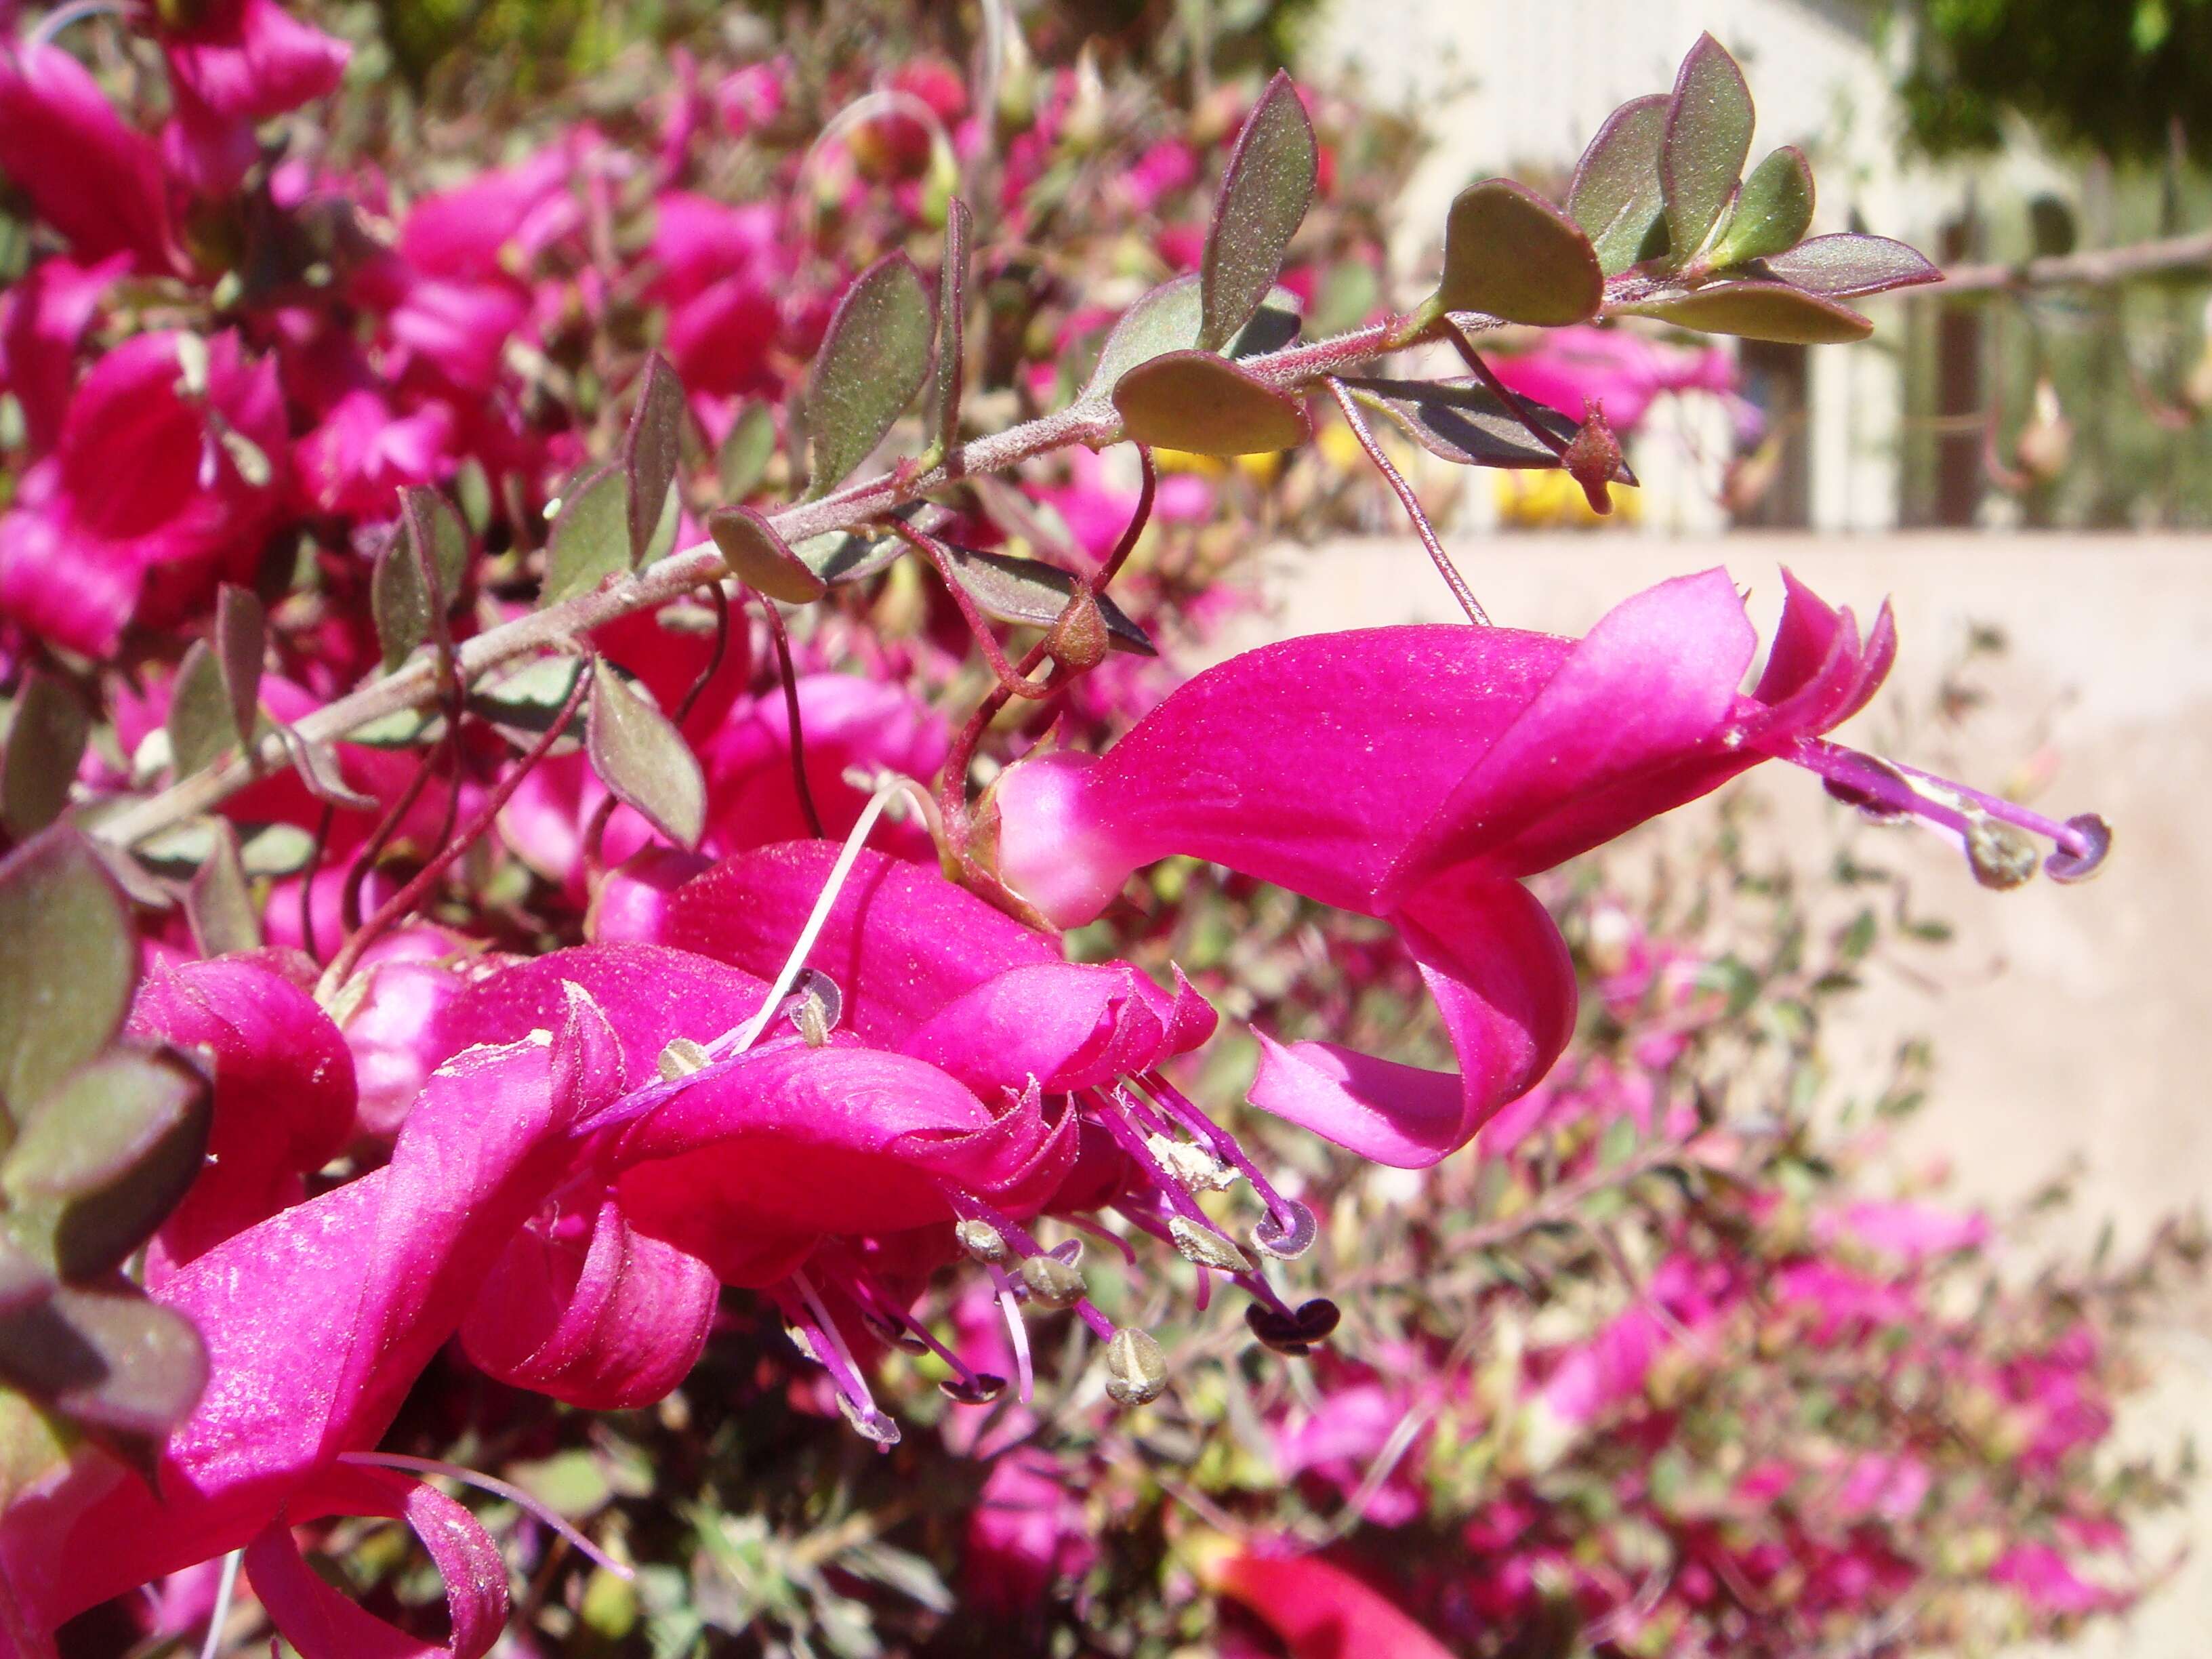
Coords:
1065,1025
1505,986
1320,1611
323,1624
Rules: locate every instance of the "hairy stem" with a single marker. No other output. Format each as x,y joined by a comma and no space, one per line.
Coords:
1093,423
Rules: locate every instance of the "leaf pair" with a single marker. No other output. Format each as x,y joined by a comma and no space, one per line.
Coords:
612,515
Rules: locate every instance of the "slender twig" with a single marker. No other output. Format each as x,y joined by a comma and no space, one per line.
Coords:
1404,491
403,903
1498,389
308,881
940,558
1147,489
2093,268
805,790
379,838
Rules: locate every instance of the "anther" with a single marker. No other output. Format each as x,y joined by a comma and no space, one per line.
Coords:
891,1334
1293,1333
2000,856
1881,811
871,1423
980,1388
1136,1369
812,1019
981,1240
1052,1283
1206,1247
680,1058
1192,1167
803,1343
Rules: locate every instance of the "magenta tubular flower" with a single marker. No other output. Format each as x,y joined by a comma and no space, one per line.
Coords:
1319,1610
234,63
391,1263
89,174
1416,774
43,315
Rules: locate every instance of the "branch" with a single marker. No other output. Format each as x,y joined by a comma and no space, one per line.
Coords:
1094,423
2096,268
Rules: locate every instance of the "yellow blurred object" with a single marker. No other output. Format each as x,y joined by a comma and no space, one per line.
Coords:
1547,499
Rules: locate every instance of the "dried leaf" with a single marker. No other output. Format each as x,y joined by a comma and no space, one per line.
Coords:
760,558
219,904
591,538
1463,421
1511,255
1759,311
644,761
1264,192
1205,405
951,328
103,1160
241,630
1708,139
1616,196
68,963
746,453
45,744
652,450
1840,266
873,360
1772,211
199,724
1035,593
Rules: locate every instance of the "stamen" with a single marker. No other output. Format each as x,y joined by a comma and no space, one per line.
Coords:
2001,857
828,1345
1290,1229
1207,1248
981,1240
1017,1332
497,1488
226,1587
1136,1369
1052,1283
682,1058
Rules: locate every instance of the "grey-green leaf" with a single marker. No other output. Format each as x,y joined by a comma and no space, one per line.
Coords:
746,453
68,963
1168,319
591,538
1758,310
1708,139
1205,405
873,360
1616,197
45,744
437,523
527,701
1841,266
644,761
200,724
219,904
1511,255
1032,592
760,558
1772,211
1264,192
1463,421
395,598
653,450
945,387
241,630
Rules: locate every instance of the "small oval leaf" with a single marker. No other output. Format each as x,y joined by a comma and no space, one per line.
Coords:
1759,311
1034,593
1616,196
396,601
1843,265
1463,421
45,743
526,703
241,632
200,724
1204,405
1168,319
68,963
845,556
760,558
109,1358
1265,193
1772,211
1708,140
219,902
652,450
1511,255
591,538
873,360
642,758
946,382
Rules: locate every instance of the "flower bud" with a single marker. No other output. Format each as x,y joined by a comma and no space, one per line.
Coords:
1052,1282
1593,457
1078,639
1207,1248
1136,1369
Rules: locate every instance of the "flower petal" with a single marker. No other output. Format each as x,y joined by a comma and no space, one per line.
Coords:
1320,1611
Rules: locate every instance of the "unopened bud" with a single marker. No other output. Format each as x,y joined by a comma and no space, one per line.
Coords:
1593,457
2000,856
1052,1282
1078,639
682,1058
981,1240
1136,1369
1207,1248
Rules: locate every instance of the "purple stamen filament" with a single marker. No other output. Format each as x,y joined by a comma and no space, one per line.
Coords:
497,1488
1923,794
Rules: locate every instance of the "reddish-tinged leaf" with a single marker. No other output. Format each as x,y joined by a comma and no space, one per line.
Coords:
1758,310
1708,139
218,904
1205,405
591,538
1265,193
45,743
653,450
199,722
952,327
1843,265
1035,594
643,759
1510,254
760,558
1168,319
1616,196
241,630
873,360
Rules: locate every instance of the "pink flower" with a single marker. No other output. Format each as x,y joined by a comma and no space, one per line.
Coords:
1625,372
81,558
2048,1583
87,175
1320,1611
1415,774
43,316
234,63
363,453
